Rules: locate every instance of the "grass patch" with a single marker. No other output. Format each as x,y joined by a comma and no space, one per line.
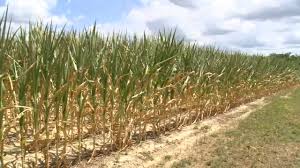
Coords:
147,156
182,163
270,137
167,157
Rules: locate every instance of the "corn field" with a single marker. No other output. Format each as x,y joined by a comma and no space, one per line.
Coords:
67,95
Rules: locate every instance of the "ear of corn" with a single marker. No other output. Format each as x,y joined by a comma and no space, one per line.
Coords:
66,94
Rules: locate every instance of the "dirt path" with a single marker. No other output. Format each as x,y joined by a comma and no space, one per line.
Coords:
166,150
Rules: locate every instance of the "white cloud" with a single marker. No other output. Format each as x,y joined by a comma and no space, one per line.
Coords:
251,26
23,11
184,4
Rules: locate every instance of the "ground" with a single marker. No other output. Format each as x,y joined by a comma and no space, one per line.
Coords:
270,137
264,133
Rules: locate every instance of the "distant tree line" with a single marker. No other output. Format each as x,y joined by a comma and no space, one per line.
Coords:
285,55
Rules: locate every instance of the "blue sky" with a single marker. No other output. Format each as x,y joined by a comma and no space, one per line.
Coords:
87,12
95,10
262,26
